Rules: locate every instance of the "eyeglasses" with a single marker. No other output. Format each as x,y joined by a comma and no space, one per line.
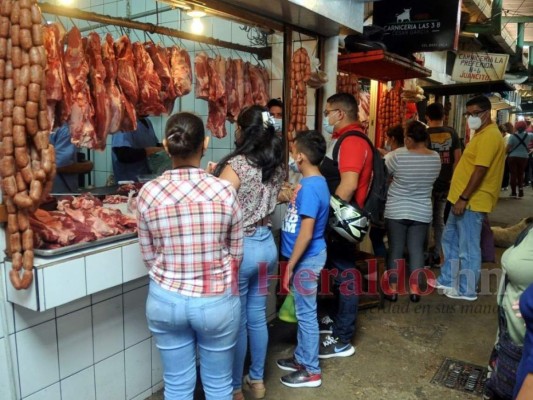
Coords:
474,114
326,112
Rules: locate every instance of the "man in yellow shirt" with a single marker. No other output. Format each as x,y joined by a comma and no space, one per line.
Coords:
474,192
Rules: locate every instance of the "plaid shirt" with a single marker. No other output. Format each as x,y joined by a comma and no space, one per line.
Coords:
190,232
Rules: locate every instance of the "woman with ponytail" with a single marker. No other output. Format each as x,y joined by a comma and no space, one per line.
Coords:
190,234
255,170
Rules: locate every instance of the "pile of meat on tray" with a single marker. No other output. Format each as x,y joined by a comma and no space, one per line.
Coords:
100,86
228,85
78,219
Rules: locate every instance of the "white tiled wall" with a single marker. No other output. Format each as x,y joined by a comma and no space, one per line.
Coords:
97,347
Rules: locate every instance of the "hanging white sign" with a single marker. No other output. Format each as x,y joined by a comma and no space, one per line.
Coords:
479,67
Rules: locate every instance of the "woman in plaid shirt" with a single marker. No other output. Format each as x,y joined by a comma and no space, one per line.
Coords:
255,170
191,238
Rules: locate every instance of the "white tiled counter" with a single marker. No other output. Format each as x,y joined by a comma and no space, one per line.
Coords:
63,279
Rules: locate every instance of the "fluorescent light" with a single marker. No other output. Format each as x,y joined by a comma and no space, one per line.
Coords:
197,26
66,2
195,13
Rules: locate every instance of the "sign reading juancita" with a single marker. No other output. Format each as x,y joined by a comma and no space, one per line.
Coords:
479,67
418,25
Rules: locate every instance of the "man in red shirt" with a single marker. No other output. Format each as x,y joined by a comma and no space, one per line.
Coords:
349,178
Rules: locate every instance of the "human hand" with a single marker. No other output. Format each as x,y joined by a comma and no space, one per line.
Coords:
286,279
459,207
516,307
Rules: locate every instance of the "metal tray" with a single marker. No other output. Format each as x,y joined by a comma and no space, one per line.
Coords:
83,246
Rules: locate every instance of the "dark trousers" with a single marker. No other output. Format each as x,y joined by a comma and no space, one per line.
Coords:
341,258
517,168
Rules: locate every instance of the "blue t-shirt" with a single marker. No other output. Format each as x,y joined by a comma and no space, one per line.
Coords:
143,137
311,200
66,154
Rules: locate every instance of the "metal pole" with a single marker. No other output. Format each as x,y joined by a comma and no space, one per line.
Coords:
261,52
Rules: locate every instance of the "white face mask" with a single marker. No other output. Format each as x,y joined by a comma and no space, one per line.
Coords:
277,124
474,122
292,164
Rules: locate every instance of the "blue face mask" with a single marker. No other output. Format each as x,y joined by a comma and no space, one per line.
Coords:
277,124
327,127
292,165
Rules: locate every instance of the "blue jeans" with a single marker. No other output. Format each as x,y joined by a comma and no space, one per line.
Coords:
462,252
304,288
342,257
181,323
259,259
403,232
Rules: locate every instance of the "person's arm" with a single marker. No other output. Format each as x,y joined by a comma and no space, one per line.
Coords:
228,174
475,180
129,155
457,153
300,246
526,390
347,186
145,237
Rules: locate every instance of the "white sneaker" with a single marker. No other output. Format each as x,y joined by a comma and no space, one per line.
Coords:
453,294
435,284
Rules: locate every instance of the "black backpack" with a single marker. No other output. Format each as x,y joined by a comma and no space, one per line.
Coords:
377,194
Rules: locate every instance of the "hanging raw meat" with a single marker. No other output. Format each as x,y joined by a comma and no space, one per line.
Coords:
181,70
149,83
116,98
201,70
259,89
239,82
127,79
248,96
217,103
81,121
159,57
234,106
100,98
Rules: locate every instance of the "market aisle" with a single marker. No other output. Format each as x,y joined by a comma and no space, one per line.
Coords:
400,348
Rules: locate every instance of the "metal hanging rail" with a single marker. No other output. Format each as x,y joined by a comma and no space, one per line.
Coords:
261,52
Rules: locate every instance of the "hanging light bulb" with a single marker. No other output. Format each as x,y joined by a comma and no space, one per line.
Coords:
197,26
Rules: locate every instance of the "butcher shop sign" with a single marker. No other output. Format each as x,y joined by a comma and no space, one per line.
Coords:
418,25
479,67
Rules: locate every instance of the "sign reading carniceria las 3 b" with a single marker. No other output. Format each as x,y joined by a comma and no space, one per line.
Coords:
479,67
418,25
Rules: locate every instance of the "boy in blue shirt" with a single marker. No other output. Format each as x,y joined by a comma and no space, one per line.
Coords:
303,243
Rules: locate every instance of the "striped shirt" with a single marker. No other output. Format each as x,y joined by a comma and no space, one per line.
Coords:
190,232
409,195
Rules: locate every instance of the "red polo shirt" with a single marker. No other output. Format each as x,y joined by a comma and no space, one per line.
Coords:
355,155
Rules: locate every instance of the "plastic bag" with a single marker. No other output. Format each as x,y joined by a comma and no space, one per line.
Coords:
287,312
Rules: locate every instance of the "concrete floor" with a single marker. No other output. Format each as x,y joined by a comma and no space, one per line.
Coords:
400,347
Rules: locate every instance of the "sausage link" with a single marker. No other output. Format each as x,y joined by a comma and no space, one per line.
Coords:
44,122
21,184
25,39
7,166
9,186
16,260
25,18
7,107
37,35
34,92
27,239
21,96
5,24
22,200
32,127
19,115
32,109
14,34
14,243
27,261
7,146
27,174
36,191
12,223
36,17
23,221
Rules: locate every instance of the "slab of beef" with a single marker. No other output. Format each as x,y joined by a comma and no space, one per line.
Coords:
116,97
239,81
100,98
218,103
248,96
127,80
158,55
234,105
259,86
181,70
201,71
149,83
55,77
81,120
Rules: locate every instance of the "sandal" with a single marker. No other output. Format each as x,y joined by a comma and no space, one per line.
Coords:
237,395
256,387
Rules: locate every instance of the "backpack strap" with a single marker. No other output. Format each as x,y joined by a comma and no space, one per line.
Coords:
337,146
521,141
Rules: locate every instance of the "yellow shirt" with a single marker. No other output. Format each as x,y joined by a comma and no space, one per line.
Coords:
486,149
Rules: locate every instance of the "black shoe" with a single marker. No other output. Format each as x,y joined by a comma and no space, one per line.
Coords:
325,325
289,364
332,347
513,194
391,297
520,193
301,378
415,298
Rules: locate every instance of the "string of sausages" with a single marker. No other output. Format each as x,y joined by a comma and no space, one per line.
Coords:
27,165
300,73
391,108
